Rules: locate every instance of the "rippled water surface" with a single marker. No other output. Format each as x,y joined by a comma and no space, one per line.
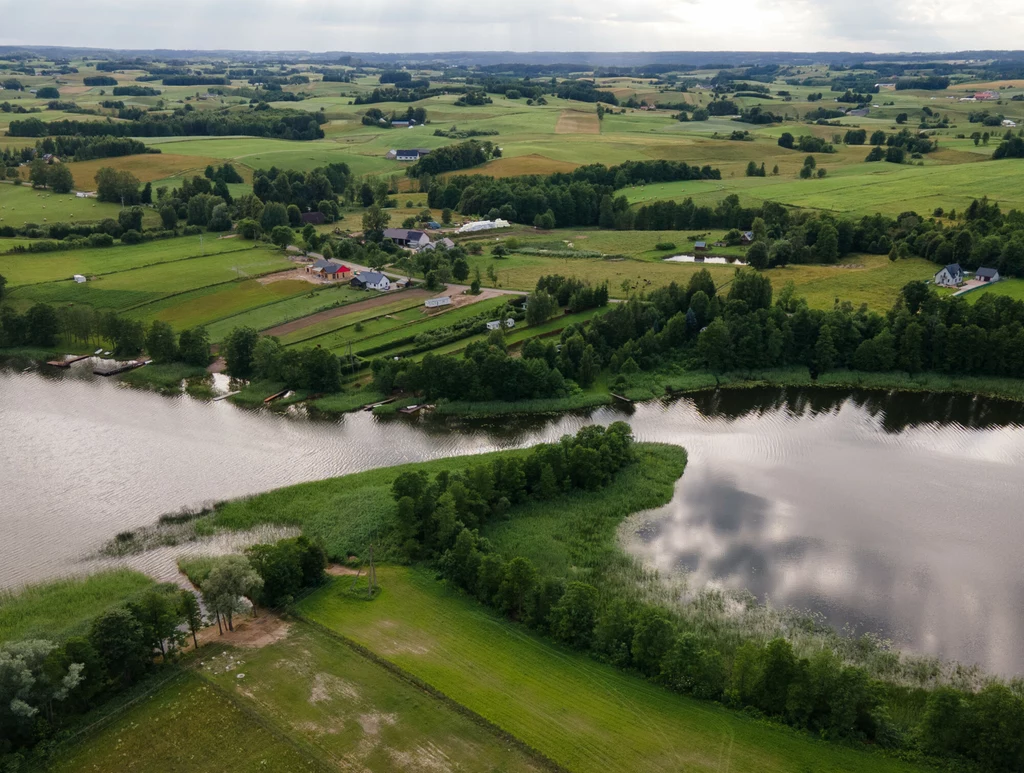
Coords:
898,514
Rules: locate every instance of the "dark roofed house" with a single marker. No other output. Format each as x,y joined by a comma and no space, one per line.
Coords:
700,246
372,279
950,276
313,218
403,237
747,237
987,275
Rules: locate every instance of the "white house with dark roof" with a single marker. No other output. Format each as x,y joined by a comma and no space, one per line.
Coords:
403,237
950,276
373,280
987,275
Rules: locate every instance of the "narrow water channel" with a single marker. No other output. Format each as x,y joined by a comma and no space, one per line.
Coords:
898,514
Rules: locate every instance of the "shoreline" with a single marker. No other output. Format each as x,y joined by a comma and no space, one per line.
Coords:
644,386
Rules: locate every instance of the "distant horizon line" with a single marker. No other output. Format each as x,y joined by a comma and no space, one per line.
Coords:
6,47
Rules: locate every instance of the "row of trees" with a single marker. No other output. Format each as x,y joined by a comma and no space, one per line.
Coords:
89,148
442,521
281,124
581,197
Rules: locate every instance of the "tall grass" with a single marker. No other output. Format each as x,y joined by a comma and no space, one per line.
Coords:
543,405
677,378
56,610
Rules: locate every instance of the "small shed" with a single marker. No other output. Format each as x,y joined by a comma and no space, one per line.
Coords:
987,275
510,323
79,278
747,237
700,246
495,325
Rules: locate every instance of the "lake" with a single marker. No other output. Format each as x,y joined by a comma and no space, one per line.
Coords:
898,514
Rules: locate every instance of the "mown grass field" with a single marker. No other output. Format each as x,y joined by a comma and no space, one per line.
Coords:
21,204
61,608
355,713
132,290
32,268
1012,288
870,279
584,715
186,726
862,189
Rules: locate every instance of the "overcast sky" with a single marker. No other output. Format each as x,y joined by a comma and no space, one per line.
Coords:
409,26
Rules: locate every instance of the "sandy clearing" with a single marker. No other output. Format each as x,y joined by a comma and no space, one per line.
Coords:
251,633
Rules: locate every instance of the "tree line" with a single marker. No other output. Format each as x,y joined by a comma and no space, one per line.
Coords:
443,521
281,124
560,199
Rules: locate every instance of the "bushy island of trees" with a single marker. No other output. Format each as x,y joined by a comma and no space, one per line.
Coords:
441,520
46,684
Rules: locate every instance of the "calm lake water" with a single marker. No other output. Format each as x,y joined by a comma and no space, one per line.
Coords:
897,514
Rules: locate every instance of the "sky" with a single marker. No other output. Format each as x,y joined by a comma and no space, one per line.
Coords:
409,26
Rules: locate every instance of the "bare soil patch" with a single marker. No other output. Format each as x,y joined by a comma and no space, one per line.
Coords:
251,633
340,570
576,122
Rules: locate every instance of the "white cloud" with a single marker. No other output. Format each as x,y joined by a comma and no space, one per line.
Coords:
528,25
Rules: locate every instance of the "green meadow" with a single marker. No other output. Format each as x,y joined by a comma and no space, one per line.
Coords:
584,715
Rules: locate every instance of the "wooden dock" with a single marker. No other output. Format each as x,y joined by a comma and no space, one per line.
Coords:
67,361
622,398
411,409
371,406
120,367
275,396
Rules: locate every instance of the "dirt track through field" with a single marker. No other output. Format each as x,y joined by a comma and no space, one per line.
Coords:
370,303
576,122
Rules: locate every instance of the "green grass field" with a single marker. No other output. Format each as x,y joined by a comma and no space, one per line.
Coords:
1011,288
584,715
20,204
871,279
32,268
134,289
186,726
64,607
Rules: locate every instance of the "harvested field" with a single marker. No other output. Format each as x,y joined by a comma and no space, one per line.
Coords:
148,167
576,122
534,163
